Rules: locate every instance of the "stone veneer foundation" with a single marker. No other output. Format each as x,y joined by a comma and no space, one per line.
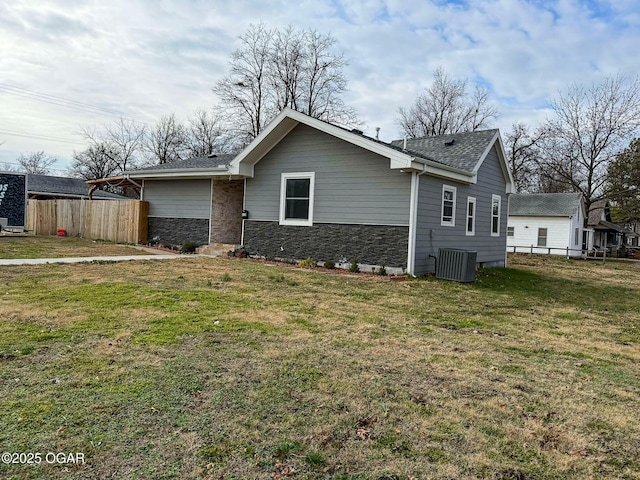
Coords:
370,244
176,231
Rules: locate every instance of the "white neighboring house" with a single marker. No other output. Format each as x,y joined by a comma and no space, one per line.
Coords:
549,223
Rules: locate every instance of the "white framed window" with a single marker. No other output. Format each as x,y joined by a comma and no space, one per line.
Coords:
576,236
296,198
471,216
542,237
448,217
496,201
510,231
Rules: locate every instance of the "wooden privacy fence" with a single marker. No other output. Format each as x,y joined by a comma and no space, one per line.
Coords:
116,220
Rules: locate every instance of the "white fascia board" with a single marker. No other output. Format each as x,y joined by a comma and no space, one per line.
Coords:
180,173
440,172
497,139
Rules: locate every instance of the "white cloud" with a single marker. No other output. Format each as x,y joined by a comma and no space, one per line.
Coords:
148,58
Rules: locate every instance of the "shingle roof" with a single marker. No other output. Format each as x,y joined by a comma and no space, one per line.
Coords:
612,227
458,150
544,204
193,162
64,186
596,210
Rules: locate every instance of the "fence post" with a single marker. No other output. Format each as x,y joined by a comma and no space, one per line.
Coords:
567,253
531,253
604,254
81,232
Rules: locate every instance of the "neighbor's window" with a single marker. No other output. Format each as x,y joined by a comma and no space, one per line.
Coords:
576,237
510,231
542,237
496,200
296,198
448,206
471,216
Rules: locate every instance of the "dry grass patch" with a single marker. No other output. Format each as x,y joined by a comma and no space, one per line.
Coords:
234,369
57,247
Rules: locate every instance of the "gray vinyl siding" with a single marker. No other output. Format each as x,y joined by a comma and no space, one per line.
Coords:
178,198
352,185
430,235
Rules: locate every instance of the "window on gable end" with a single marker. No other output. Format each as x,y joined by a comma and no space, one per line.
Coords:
448,217
496,201
471,216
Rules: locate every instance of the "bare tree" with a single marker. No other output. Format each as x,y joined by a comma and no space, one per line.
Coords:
37,163
122,141
589,128
206,134
244,91
523,152
274,69
166,141
325,81
286,70
447,107
97,161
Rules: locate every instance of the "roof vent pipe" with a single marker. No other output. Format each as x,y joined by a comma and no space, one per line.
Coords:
377,133
404,146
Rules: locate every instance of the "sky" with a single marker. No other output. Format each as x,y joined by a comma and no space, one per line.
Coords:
69,64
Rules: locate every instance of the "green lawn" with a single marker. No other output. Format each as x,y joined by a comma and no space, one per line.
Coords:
13,246
235,369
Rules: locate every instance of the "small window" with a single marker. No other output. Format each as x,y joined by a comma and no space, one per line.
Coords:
448,206
542,237
510,231
496,200
576,237
296,199
471,216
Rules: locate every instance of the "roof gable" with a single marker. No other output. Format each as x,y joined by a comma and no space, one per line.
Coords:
288,119
598,211
546,204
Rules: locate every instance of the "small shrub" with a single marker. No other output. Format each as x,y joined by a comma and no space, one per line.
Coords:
225,277
330,265
189,247
315,460
282,279
382,270
354,268
286,448
308,262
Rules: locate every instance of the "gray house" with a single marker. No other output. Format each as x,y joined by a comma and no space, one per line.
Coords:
307,188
